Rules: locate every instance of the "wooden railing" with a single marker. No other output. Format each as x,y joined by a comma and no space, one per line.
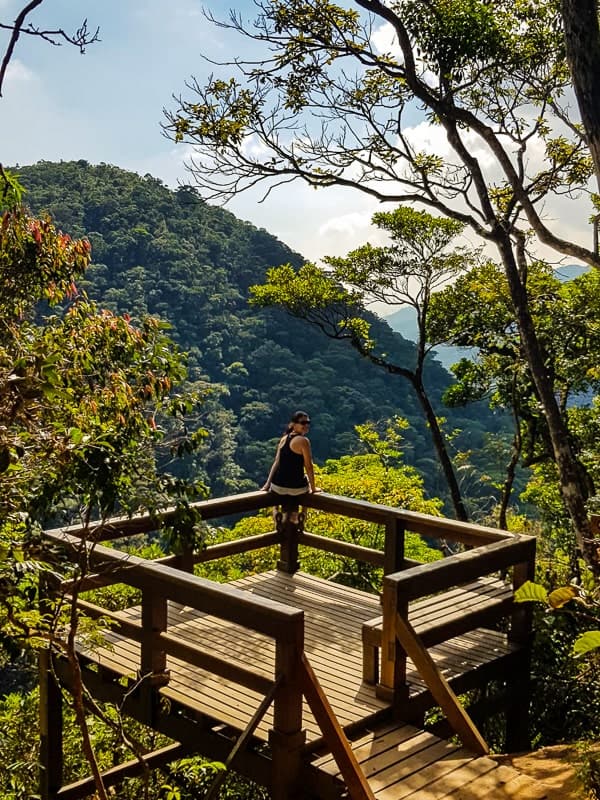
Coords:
400,640
404,580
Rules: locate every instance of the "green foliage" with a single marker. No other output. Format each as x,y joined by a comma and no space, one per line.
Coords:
171,255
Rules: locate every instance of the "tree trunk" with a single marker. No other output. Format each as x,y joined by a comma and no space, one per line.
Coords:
442,451
508,484
582,42
573,481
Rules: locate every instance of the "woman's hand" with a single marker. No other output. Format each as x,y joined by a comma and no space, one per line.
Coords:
316,489
266,487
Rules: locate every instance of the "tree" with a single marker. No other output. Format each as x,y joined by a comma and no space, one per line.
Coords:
582,45
407,272
83,397
329,107
475,311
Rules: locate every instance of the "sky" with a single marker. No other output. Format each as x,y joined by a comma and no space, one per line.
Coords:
107,106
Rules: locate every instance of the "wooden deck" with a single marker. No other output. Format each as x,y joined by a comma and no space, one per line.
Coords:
404,763
398,760
302,679
334,615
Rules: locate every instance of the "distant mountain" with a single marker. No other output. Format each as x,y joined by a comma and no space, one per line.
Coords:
404,321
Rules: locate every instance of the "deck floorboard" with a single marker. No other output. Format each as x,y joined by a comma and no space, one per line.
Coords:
400,761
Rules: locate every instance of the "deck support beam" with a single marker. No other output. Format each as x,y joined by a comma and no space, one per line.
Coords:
51,728
287,737
519,680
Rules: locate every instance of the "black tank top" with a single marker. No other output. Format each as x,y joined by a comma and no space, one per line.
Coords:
290,470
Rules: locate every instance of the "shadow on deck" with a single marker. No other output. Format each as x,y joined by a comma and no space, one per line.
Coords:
311,688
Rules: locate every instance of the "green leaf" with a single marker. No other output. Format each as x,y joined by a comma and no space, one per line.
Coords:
590,640
531,592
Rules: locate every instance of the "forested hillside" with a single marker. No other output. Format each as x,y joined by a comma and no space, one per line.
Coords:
169,254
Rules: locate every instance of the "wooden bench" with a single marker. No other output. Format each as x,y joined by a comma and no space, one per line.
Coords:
443,616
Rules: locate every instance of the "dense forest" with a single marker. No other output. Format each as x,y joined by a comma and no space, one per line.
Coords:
169,254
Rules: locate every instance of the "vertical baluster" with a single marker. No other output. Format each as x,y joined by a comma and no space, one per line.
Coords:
153,659
287,738
392,684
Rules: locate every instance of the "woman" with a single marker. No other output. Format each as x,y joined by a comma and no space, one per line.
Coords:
292,473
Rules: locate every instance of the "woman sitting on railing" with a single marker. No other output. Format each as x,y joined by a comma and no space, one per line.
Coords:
292,474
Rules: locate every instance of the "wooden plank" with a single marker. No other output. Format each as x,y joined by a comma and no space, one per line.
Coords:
266,616
173,646
413,773
356,783
461,567
226,549
312,586
341,548
439,688
377,740
452,770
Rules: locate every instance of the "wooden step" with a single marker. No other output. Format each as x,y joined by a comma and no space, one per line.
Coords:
402,762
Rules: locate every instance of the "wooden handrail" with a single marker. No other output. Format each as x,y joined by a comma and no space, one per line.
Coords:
425,524
460,568
222,600
354,778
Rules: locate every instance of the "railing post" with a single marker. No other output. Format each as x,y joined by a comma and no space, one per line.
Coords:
153,658
393,553
518,682
288,550
392,684
51,728
287,738
185,559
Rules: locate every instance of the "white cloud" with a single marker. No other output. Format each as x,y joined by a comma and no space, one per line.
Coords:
18,72
384,40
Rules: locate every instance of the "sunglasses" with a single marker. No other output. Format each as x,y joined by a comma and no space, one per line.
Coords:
303,422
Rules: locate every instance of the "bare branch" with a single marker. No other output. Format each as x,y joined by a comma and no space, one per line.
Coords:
80,39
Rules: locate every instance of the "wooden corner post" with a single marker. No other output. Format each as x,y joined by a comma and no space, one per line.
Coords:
288,552
518,684
51,728
392,684
393,553
287,737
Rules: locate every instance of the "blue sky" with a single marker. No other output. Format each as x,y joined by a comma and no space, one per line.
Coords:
106,106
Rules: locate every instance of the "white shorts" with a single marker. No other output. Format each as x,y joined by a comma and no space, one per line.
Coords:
288,490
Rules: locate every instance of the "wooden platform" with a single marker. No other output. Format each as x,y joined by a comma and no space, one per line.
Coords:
222,669
334,615
401,762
